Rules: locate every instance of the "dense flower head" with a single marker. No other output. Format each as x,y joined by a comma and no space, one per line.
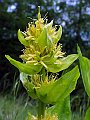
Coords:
42,39
47,117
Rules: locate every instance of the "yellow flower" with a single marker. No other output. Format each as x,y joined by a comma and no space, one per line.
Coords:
47,117
36,49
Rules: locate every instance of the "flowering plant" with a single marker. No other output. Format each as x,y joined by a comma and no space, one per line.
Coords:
43,55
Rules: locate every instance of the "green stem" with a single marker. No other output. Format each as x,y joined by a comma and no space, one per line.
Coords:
41,110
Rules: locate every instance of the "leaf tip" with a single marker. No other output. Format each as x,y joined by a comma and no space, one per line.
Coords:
7,56
78,50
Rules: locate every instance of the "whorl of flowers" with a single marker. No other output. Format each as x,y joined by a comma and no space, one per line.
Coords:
47,117
41,41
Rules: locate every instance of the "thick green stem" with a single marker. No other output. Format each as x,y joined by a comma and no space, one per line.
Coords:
41,110
41,105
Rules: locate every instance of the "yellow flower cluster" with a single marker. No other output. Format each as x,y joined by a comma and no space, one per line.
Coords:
38,33
47,117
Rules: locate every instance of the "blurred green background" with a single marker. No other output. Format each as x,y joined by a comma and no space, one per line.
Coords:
72,15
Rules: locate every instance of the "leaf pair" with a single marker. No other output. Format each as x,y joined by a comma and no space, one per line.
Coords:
51,64
55,90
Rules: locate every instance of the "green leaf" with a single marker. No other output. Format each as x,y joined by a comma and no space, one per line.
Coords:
26,68
85,71
60,89
49,42
28,85
79,51
58,35
87,116
61,64
42,39
61,109
39,15
49,39
22,39
49,25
